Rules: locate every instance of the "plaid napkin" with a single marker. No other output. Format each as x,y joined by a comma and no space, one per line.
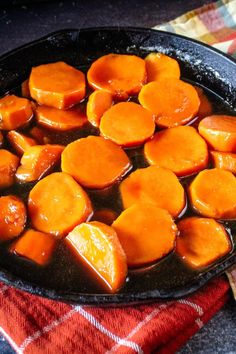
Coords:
36,325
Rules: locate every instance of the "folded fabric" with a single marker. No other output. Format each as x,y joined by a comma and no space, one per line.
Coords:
36,325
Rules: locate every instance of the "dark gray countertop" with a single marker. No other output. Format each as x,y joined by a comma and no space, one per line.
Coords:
26,22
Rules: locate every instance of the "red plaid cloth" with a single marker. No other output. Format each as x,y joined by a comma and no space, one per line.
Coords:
36,325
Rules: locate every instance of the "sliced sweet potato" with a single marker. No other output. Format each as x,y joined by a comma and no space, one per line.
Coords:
127,124
173,102
224,160
15,112
39,135
57,85
205,108
201,241
181,149
97,245
61,120
57,204
105,215
12,217
35,246
25,89
8,166
161,66
220,132
20,142
213,194
121,75
147,233
98,103
155,185
95,162
37,161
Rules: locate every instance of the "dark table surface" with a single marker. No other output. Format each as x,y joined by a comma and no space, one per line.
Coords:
30,20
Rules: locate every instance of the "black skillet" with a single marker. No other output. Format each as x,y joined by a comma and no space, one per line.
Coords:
169,279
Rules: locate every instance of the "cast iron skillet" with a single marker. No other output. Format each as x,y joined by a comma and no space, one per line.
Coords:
208,67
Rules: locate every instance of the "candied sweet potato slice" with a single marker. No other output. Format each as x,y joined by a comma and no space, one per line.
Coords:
173,102
181,149
8,166
61,120
205,108
95,162
156,185
213,194
98,246
57,204
19,141
98,103
15,112
36,246
120,74
220,132
37,161
127,124
104,215
12,217
224,160
57,85
201,241
161,66
147,233
25,92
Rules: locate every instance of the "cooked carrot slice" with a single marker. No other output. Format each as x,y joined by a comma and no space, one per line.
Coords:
15,112
57,84
57,204
95,162
201,241
98,103
37,161
156,185
219,132
39,135
58,119
98,246
8,165
213,194
25,89
161,66
224,161
205,108
181,149
12,217
106,216
19,141
147,233
127,124
174,102
35,246
121,75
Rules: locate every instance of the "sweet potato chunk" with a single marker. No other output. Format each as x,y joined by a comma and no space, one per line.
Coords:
97,245
57,204
15,112
224,161
35,246
155,185
161,66
95,162
12,217
147,233
57,85
121,75
20,142
213,194
219,132
98,103
181,149
8,165
201,241
127,124
37,161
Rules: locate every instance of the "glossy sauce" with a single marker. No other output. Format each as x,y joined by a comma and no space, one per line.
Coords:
64,272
